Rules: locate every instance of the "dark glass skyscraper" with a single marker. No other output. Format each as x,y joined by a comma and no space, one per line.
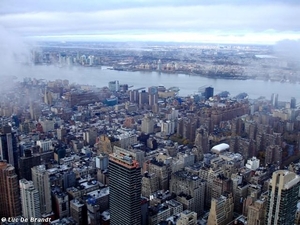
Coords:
209,92
293,103
125,190
8,146
26,163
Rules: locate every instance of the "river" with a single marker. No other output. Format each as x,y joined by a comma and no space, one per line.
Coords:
188,84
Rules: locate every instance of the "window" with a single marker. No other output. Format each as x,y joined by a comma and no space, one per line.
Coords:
64,206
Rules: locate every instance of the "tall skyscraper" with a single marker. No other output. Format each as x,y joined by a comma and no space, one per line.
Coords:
125,189
90,136
293,102
10,205
282,198
8,146
162,171
30,200
221,211
41,182
153,99
148,124
256,213
26,163
60,203
201,143
78,211
274,100
143,98
159,65
209,92
153,95
134,96
273,155
114,85
190,190
103,145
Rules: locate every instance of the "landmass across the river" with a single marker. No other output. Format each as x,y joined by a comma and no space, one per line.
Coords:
208,60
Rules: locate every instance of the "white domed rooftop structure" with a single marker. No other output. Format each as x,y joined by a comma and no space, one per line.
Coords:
220,148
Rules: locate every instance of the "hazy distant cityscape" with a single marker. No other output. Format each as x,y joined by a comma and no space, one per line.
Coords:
209,60
149,113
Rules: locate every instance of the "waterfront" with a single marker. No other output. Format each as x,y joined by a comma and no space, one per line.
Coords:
188,84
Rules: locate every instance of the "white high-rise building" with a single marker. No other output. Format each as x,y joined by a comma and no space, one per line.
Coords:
252,163
69,61
91,60
167,127
41,182
114,85
30,200
172,115
148,124
45,145
159,65
47,124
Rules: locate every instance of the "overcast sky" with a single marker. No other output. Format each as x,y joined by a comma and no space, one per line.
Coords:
222,21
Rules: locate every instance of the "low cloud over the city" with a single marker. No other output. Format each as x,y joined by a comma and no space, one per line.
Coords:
15,51
252,21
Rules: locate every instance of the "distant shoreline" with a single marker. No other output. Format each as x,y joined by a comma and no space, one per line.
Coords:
225,76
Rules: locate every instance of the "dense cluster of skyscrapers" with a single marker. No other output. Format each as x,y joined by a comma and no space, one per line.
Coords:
73,154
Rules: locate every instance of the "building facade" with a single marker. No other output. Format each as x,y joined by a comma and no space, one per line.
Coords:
221,211
282,198
30,200
41,182
125,189
10,205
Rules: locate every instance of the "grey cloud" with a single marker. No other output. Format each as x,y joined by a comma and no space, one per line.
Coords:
14,53
185,18
17,6
58,18
12,47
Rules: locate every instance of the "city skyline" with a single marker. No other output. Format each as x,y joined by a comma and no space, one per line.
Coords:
244,22
149,112
202,158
